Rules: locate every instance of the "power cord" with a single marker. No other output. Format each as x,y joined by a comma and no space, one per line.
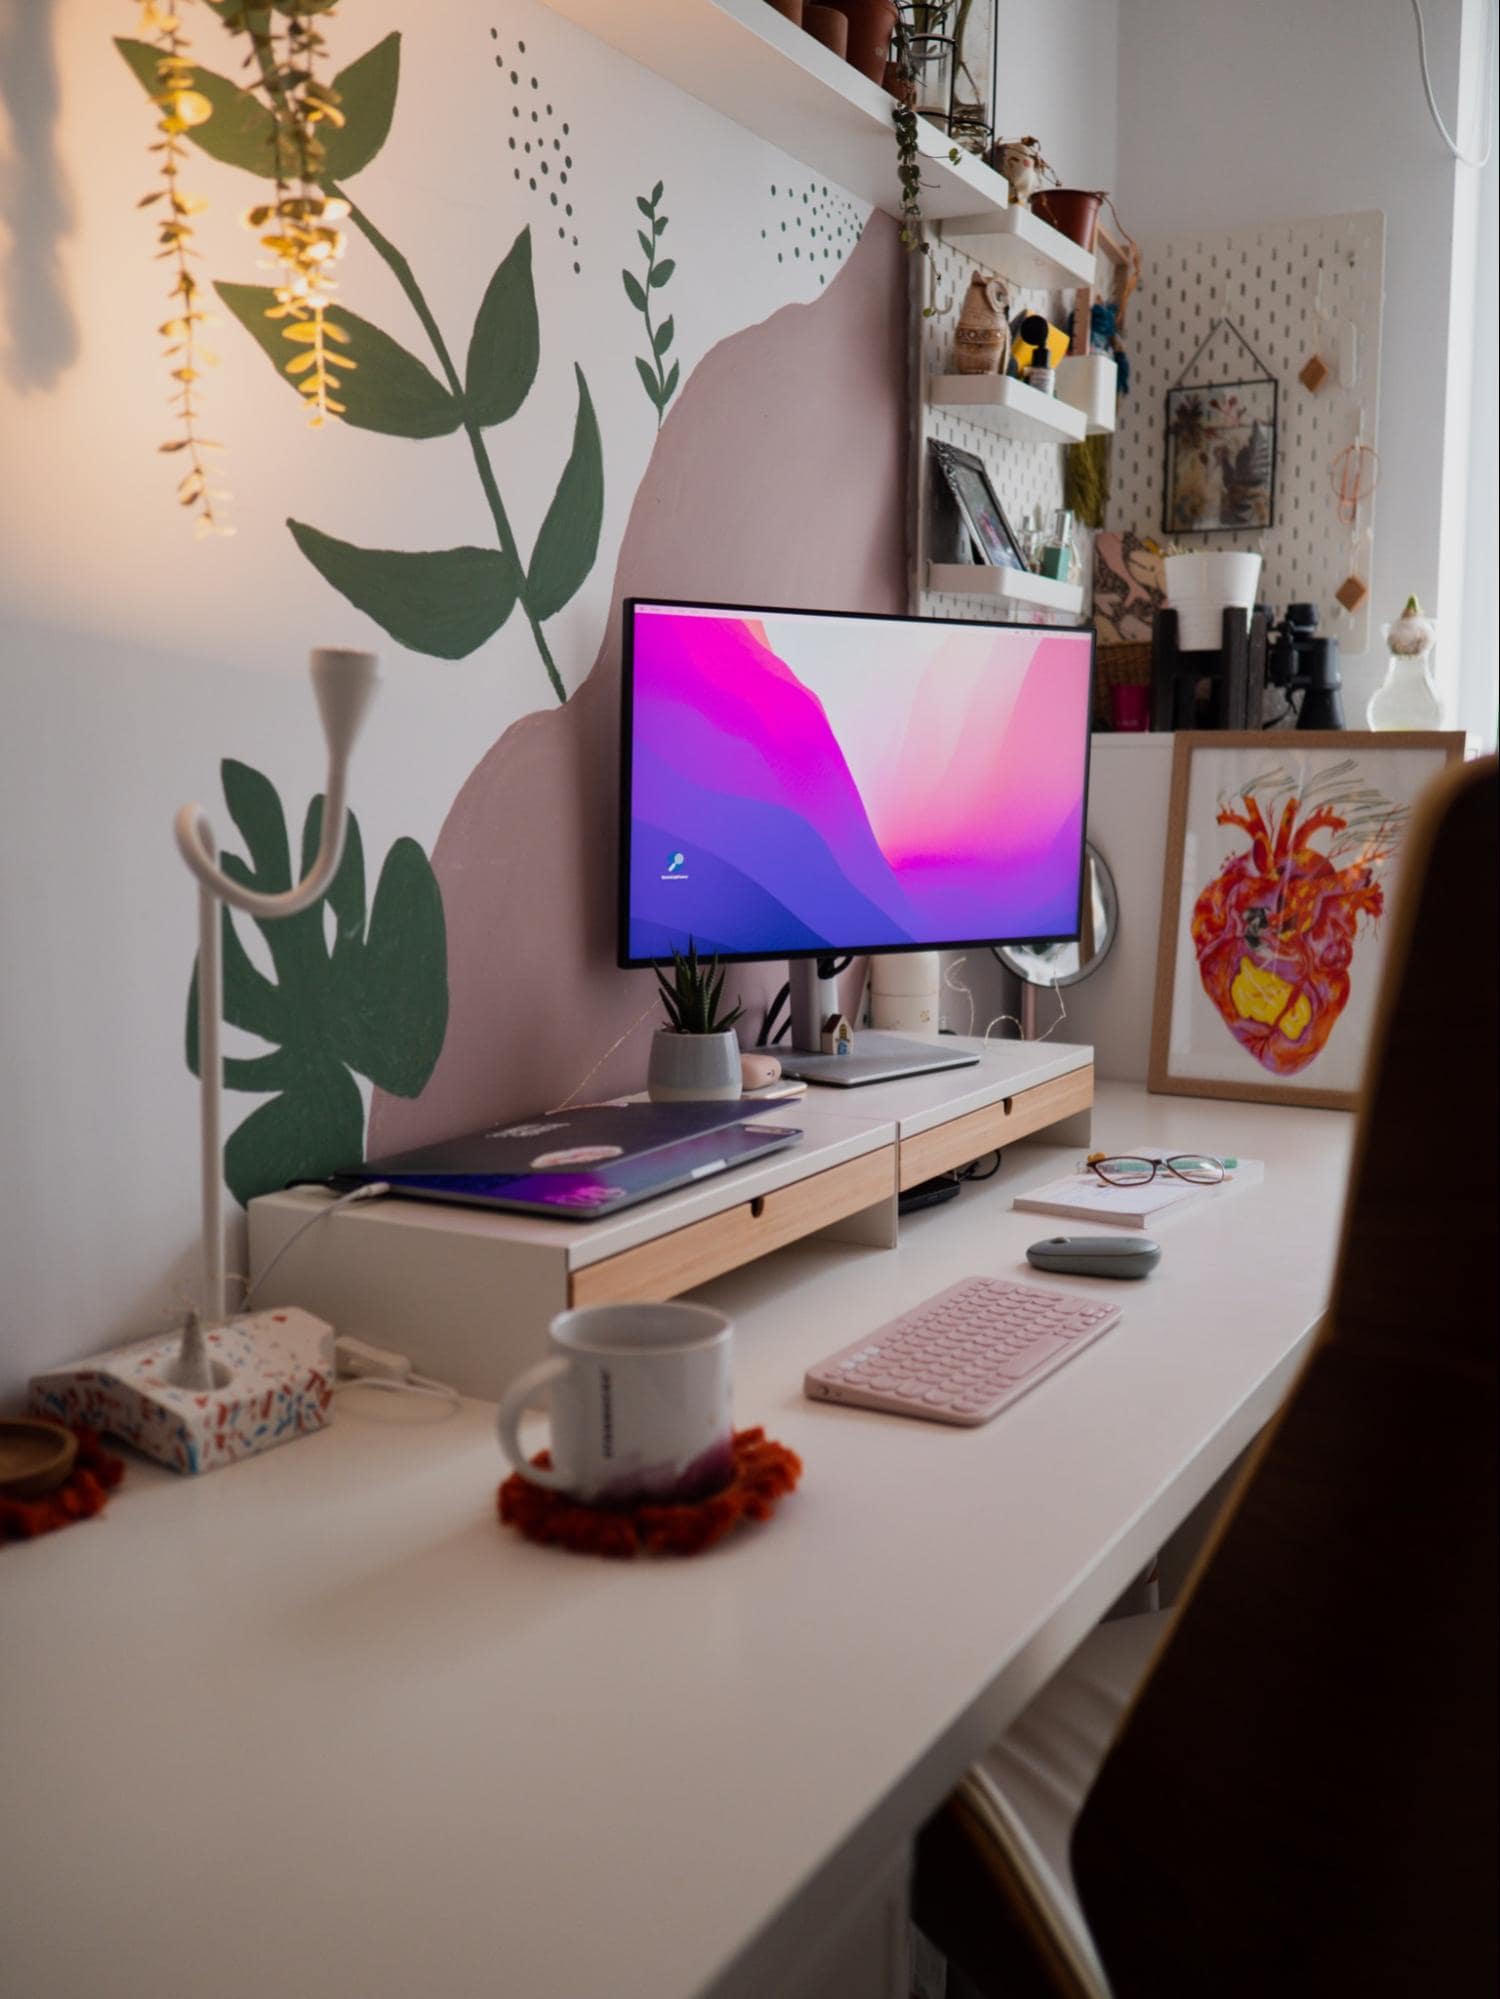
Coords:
1437,117
371,1192
363,1366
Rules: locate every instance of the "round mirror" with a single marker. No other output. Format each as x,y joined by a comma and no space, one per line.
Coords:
1066,964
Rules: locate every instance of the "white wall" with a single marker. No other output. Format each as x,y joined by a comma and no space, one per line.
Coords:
1232,113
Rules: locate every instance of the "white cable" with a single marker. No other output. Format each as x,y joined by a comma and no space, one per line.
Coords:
1437,117
412,1384
369,1193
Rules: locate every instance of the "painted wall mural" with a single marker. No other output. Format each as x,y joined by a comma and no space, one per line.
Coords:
541,142
373,1002
812,223
441,602
659,381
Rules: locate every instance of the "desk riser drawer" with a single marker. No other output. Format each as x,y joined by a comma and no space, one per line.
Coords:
671,1264
992,1128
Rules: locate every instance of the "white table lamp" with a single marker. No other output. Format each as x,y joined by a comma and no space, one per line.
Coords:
225,1390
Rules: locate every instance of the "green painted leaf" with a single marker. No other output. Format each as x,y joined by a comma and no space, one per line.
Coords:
506,343
313,1129
669,386
663,336
643,205
442,602
648,380
367,98
256,811
648,249
662,272
661,224
656,194
393,997
388,390
241,131
346,892
569,537
634,290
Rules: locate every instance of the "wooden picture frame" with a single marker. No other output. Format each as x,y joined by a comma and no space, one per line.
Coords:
1282,852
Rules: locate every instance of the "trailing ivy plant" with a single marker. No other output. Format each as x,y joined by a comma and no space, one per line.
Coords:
373,1003
657,380
926,20
442,602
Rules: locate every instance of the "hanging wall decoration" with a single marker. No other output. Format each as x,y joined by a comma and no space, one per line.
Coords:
1221,447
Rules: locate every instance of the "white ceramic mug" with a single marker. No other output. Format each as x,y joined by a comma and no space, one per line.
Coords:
640,1399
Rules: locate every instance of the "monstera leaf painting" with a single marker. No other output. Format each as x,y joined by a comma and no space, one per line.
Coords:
443,602
363,994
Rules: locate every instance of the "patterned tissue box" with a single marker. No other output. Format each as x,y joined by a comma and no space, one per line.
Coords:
275,1376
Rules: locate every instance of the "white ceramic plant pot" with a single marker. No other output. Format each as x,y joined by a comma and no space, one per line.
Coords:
693,1068
904,992
1202,585
1088,382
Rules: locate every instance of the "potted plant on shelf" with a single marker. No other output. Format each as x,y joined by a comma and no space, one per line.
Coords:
697,1057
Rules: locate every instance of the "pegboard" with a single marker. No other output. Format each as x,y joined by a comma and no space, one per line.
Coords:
1024,476
1288,287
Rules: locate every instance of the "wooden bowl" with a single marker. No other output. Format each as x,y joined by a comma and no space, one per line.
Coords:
35,1457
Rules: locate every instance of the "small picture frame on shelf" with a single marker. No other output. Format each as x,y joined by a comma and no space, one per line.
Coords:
965,478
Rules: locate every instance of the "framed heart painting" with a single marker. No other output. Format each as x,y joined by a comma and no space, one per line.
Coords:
1283,852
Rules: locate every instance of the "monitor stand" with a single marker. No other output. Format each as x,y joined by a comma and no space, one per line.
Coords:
877,1058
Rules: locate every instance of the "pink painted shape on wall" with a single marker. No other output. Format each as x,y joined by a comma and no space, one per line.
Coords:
778,479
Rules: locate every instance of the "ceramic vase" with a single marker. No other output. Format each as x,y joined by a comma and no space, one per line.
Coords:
1406,698
981,340
693,1068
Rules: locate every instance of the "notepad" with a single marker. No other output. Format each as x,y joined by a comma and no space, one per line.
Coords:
1084,1197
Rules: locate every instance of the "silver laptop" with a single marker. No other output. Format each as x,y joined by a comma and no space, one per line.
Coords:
881,1059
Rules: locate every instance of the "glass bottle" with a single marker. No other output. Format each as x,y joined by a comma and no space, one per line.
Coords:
1406,698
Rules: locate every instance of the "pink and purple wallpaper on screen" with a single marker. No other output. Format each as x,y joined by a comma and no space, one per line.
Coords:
813,783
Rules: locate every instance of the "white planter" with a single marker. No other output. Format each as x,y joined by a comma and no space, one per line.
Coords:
693,1068
1088,381
904,992
1202,585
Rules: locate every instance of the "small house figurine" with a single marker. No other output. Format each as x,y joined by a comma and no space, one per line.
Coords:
838,1036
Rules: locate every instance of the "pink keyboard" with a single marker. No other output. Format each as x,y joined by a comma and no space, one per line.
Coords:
962,1356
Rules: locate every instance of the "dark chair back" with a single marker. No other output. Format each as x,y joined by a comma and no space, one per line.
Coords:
1303,1798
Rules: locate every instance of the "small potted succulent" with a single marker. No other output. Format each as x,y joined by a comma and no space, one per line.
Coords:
697,1057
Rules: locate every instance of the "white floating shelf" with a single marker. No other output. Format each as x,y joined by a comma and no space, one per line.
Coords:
1004,586
1020,246
1012,408
747,61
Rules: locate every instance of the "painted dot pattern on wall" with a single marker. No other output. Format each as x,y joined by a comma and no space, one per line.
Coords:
1288,287
539,142
812,224
1027,478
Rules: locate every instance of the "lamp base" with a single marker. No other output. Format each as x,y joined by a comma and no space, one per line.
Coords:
273,1378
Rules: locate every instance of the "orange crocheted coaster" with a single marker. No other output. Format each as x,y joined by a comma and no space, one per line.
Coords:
764,1472
84,1492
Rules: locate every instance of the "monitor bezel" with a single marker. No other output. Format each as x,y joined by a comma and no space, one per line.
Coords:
628,608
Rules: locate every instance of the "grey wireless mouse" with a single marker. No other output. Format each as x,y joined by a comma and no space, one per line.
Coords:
1096,1255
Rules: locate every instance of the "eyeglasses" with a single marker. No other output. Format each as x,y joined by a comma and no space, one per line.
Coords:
1129,1171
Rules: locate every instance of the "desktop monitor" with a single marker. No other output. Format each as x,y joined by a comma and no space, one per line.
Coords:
800,784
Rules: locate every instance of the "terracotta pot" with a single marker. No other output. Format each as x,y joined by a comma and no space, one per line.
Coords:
1070,210
871,26
828,26
902,88
792,9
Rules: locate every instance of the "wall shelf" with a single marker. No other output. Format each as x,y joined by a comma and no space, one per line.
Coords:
1012,408
1020,246
1004,586
745,60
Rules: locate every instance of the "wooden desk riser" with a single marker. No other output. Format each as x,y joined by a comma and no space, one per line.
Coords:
467,1295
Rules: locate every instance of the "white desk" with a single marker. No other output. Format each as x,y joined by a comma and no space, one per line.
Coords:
317,1727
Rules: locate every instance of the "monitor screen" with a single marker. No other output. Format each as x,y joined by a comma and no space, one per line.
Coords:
798,783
